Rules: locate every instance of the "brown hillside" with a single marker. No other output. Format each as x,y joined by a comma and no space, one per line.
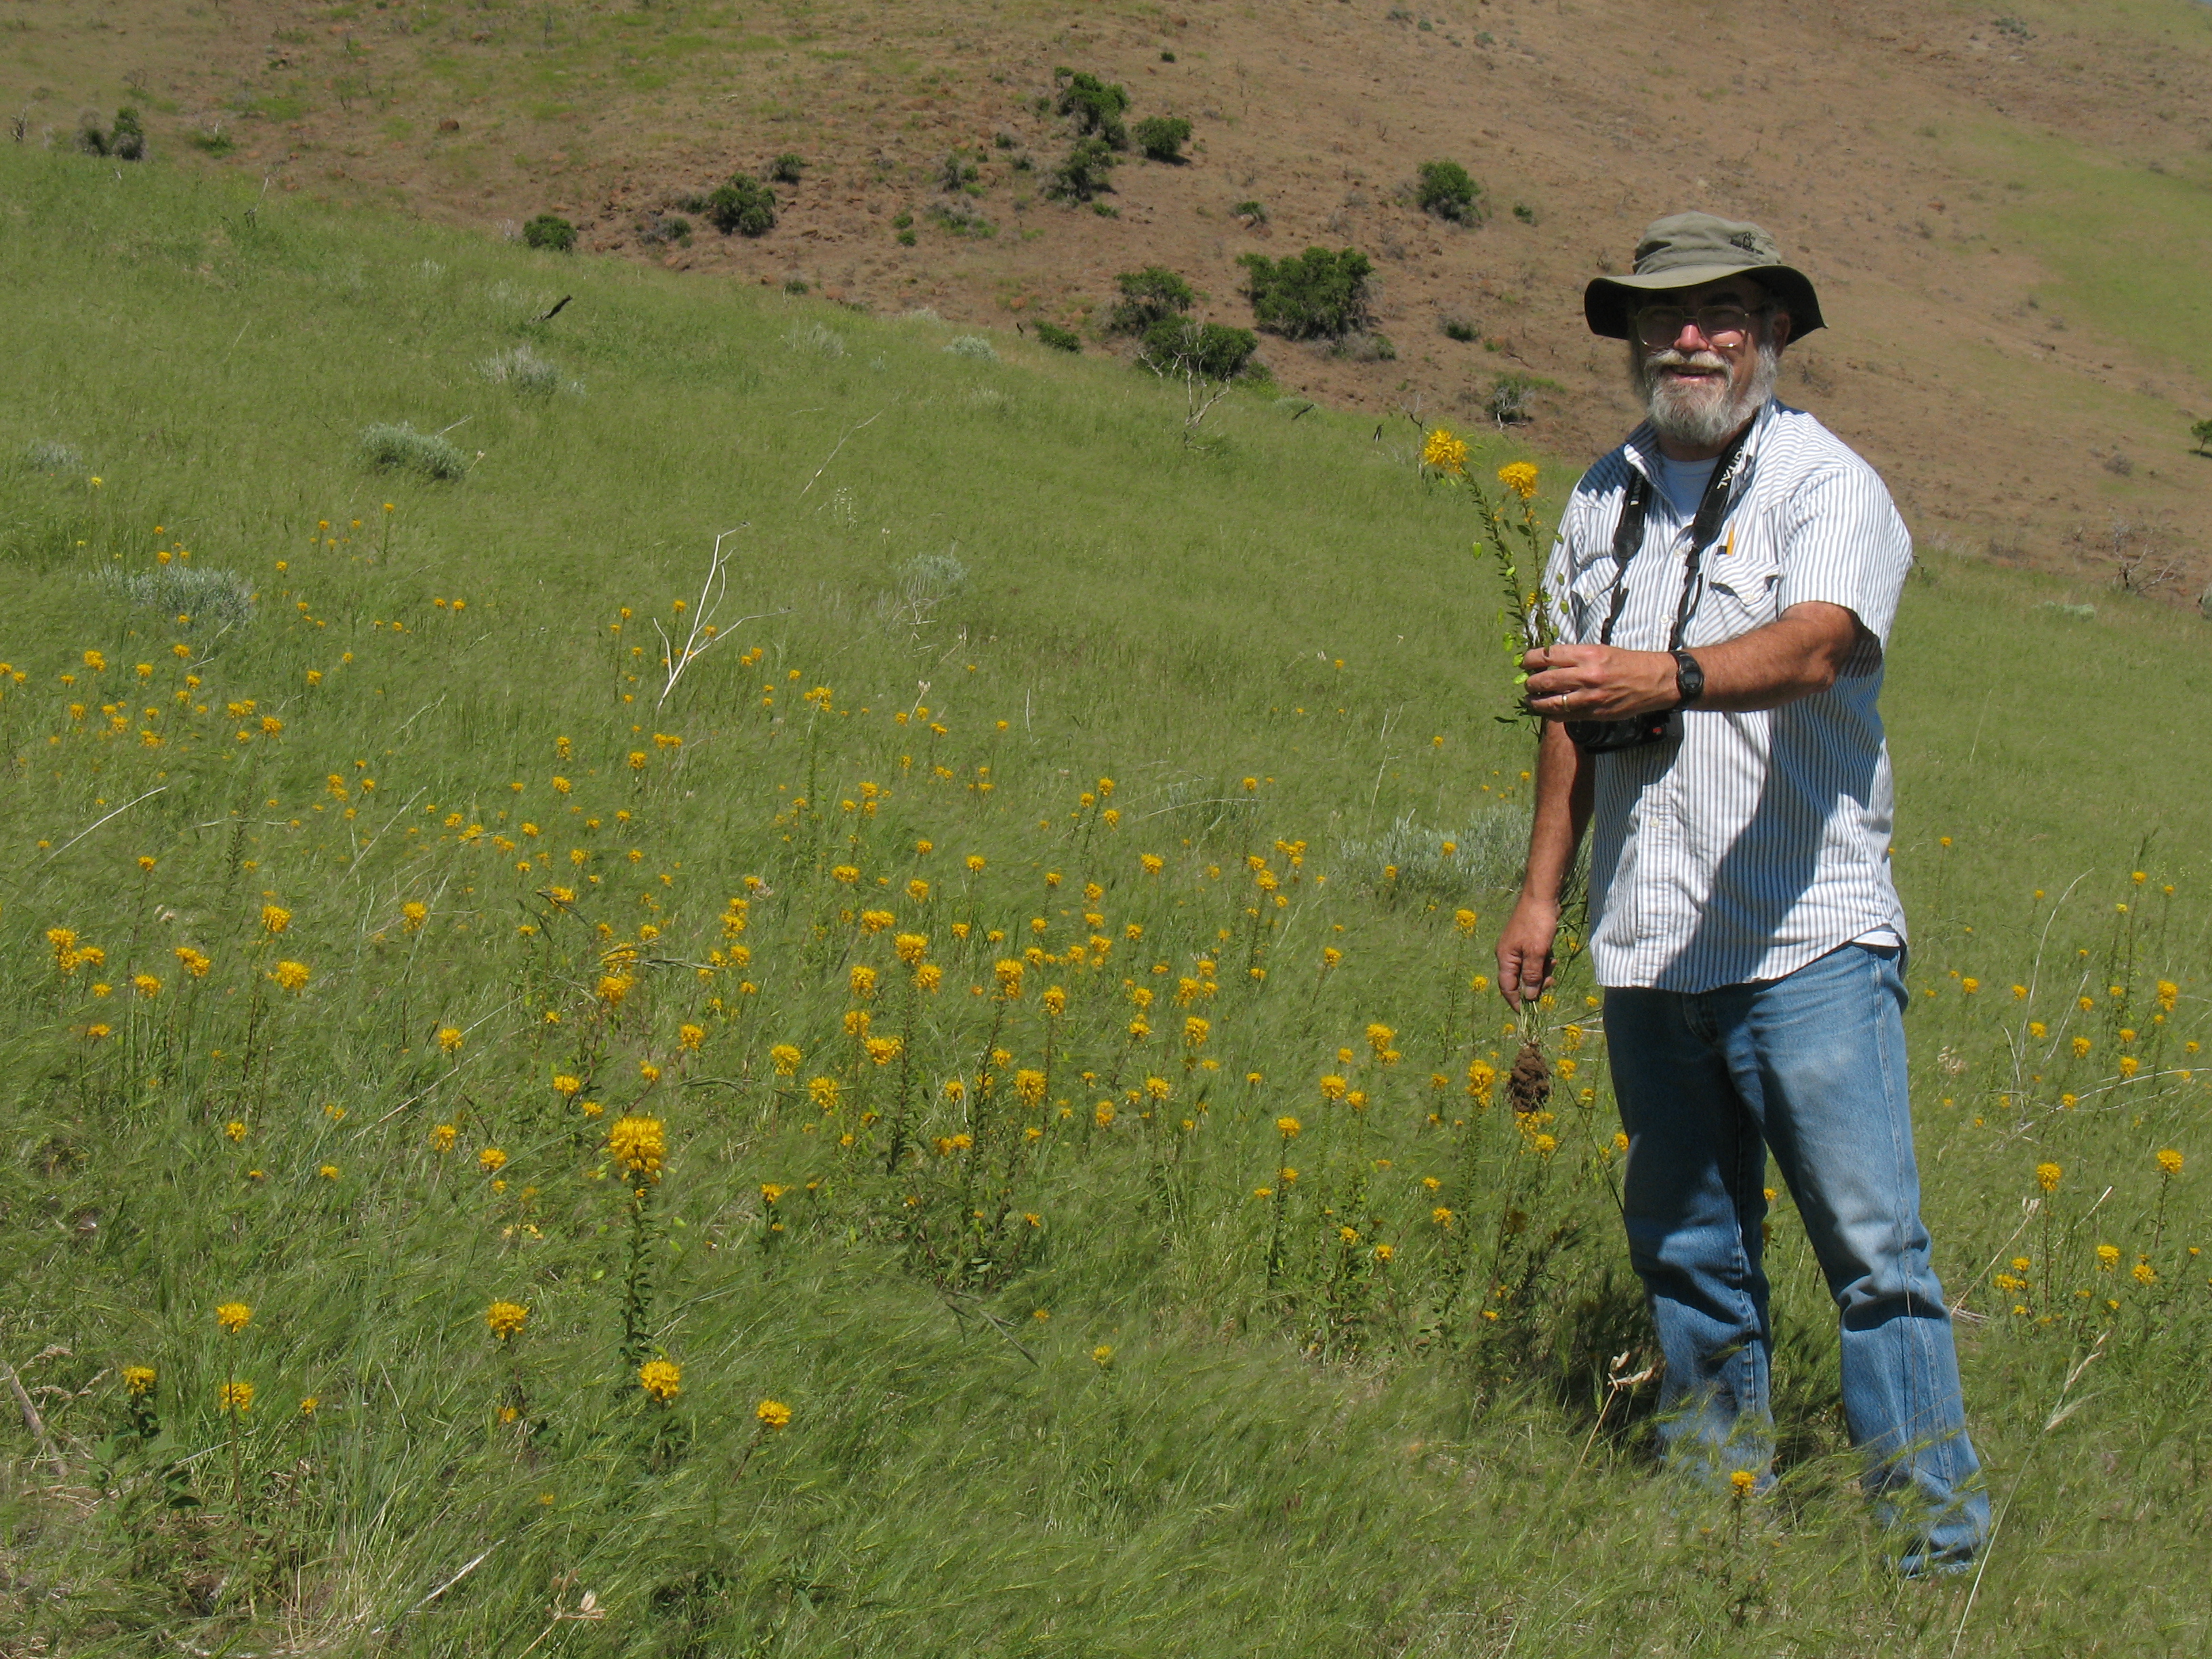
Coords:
2003,213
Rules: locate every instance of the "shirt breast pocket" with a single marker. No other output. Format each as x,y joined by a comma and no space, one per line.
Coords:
1590,597
1739,595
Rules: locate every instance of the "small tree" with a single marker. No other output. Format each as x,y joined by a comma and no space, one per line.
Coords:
2203,433
1084,173
1314,293
1206,357
1097,106
745,205
1447,190
1210,350
551,233
1163,136
1509,400
1149,297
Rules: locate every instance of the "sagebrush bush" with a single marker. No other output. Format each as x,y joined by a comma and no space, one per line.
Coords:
44,455
787,167
392,448
523,369
186,595
743,206
1163,136
1449,191
1097,106
1059,338
1083,172
974,346
1308,296
1486,856
1211,351
1149,297
814,338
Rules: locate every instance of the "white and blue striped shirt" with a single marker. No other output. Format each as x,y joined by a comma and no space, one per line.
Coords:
1751,844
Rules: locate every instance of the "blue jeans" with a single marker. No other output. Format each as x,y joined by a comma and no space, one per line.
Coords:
1811,1065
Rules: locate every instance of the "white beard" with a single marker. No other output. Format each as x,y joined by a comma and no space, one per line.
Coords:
1702,413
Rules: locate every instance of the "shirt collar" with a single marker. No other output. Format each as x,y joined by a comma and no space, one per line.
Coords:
1642,445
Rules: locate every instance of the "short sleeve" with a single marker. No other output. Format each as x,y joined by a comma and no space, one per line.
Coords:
1844,543
1561,567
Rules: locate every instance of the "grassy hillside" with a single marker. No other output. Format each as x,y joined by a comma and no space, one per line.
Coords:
801,1162
2016,328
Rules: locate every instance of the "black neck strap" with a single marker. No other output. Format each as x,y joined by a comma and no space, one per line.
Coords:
1628,535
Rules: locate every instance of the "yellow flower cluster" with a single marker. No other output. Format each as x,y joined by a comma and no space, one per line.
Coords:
638,1145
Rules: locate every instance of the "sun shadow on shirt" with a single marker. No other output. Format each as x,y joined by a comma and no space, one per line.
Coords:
1769,899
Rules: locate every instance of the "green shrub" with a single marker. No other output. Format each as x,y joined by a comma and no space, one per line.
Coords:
124,141
1059,338
787,167
956,171
1097,106
1163,136
215,141
1148,296
1083,173
1183,345
1447,190
1314,293
661,227
551,233
743,205
1458,328
401,448
1255,211
963,221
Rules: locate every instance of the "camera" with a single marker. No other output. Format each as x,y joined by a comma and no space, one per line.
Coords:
1602,736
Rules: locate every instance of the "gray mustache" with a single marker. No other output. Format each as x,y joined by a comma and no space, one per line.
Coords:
1671,358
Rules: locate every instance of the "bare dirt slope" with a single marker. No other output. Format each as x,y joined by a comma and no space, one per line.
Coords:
2010,216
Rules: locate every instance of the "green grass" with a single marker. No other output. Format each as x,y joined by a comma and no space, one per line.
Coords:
2122,240
1291,1448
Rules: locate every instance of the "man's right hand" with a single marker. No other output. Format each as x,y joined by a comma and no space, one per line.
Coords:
1524,952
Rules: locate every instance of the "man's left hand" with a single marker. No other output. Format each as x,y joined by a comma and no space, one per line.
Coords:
1598,682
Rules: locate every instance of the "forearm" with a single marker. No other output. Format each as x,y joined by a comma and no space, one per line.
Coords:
1565,777
1798,653
1793,656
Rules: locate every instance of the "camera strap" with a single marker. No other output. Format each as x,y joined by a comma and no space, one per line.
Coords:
1628,535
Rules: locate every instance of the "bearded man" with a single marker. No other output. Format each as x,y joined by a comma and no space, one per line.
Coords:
1723,587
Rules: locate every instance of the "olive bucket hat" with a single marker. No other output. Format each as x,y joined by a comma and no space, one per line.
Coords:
1685,249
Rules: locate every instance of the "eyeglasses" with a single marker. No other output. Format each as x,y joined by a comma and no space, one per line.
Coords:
1721,326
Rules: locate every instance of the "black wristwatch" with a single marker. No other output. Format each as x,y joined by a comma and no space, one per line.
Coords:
1689,680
